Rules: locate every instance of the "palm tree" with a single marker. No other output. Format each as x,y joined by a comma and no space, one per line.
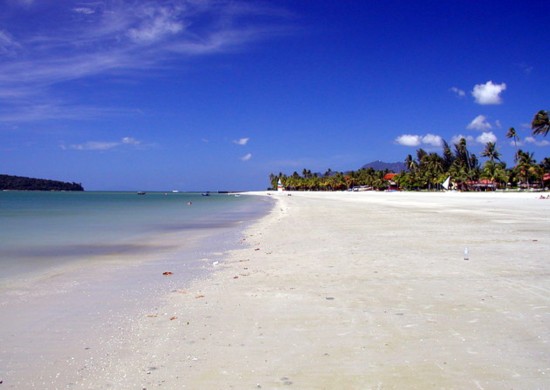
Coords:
464,165
459,172
496,172
273,180
420,153
410,163
514,136
524,166
462,155
491,152
432,168
448,157
473,164
541,123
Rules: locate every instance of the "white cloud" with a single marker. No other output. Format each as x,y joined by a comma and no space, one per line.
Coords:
408,140
456,139
534,141
433,140
416,140
488,93
479,123
486,137
241,141
459,92
246,157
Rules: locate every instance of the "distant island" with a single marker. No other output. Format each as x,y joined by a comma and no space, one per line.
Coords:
18,183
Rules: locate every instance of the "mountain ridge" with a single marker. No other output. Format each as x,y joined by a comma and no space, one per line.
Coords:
378,165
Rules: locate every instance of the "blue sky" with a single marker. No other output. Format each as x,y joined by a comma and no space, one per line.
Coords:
215,95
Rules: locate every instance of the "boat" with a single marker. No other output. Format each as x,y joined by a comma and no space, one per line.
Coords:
446,183
206,193
141,193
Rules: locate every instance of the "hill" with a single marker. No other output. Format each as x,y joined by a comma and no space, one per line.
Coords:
8,182
378,165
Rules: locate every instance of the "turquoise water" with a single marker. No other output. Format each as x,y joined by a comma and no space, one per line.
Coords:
41,230
78,270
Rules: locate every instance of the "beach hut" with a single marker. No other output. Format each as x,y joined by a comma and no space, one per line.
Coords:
392,185
482,185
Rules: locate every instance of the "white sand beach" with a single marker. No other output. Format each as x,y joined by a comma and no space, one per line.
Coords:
354,291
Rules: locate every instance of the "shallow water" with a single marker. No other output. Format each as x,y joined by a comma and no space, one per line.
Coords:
79,268
43,230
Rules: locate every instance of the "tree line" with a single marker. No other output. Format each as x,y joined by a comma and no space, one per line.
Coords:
427,171
8,182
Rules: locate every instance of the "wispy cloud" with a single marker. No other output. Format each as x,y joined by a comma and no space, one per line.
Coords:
241,141
459,92
246,157
93,145
156,23
37,110
488,93
7,44
84,10
526,68
534,141
97,38
103,145
130,141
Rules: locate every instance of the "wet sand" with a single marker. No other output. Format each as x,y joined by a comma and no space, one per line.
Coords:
353,291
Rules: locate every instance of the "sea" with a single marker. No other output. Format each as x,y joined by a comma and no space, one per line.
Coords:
41,231
78,269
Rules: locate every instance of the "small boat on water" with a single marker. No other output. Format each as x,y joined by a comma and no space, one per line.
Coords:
141,193
207,193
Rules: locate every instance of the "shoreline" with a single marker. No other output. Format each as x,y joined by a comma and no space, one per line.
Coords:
338,291
349,290
63,320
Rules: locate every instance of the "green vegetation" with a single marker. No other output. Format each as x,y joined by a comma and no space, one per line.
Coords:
427,171
540,123
331,181
8,182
